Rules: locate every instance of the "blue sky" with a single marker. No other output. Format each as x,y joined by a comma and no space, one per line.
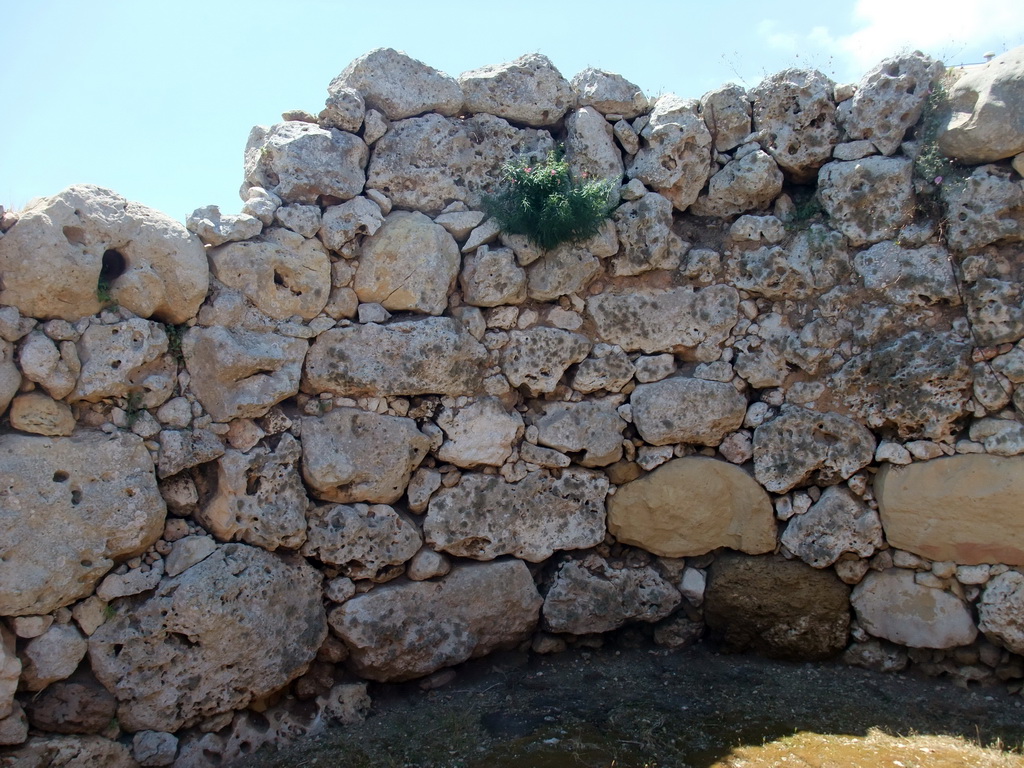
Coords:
155,99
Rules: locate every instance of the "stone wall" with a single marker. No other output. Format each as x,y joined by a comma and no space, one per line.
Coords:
355,433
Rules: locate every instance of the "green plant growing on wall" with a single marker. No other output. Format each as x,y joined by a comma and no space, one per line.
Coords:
932,168
175,333
542,201
103,295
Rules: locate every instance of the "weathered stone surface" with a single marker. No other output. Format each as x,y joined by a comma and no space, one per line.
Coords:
593,427
76,706
341,224
242,374
302,162
918,384
987,208
1001,610
54,655
10,376
484,516
344,108
10,671
609,93
184,448
54,367
889,99
406,630
812,263
216,228
684,410
256,497
674,320
692,506
361,540
908,276
187,552
281,272
646,238
567,268
41,415
410,264
782,608
607,368
590,596
123,358
353,455
1000,437
838,522
424,163
54,258
987,111
590,147
794,111
528,90
726,112
154,748
132,582
868,200
72,507
304,220
801,446
747,184
890,604
72,751
675,154
399,86
967,509
14,727
434,355
185,653
538,358
481,432
491,278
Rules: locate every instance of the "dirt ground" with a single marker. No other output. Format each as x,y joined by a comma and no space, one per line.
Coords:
633,705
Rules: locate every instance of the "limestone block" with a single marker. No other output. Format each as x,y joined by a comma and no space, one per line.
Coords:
889,100
54,258
590,147
84,751
303,220
964,508
491,278
125,358
538,358
256,497
54,367
801,446
868,200
675,153
14,727
187,552
908,276
726,112
241,374
410,264
988,208
185,448
399,86
484,516
78,705
361,540
781,608
52,656
132,582
352,455
684,410
344,108
691,506
261,204
216,228
591,596
341,224
428,564
40,414
528,90
481,432
74,506
10,376
153,748
405,630
747,184
794,110
1001,609
302,162
646,239
891,605
987,111
434,355
813,262
837,523
10,672
609,93
1001,437
568,268
185,652
592,427
610,369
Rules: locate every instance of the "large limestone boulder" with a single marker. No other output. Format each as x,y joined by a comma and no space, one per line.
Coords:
679,319
837,523
691,506
491,278
76,751
53,655
593,595
892,605
281,273
968,509
889,100
124,358
646,239
908,276
592,427
353,455
987,208
398,86
987,112
480,432
675,153
62,247
567,268
684,410
529,90
812,263
485,516
430,356
868,200
73,507
302,162
537,358
361,540
747,184
1001,610
409,264
242,374
410,629
55,368
341,224
782,608
726,112
185,652
609,93
425,163
801,446
590,147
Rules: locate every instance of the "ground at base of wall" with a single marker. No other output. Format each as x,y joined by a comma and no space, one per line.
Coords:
645,707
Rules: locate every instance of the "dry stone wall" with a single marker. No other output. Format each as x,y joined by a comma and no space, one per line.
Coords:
355,432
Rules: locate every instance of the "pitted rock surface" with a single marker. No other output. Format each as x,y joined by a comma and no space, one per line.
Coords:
684,410
362,540
837,523
528,90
